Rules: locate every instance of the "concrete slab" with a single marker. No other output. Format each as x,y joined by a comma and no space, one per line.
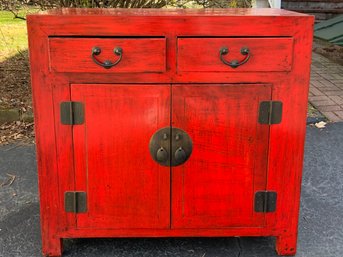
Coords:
320,228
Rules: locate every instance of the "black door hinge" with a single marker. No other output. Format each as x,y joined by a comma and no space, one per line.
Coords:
72,113
270,112
75,202
265,201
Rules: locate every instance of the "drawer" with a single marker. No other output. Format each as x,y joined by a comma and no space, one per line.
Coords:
119,55
251,54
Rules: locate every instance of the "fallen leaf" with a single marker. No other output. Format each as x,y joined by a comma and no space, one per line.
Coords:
320,124
9,181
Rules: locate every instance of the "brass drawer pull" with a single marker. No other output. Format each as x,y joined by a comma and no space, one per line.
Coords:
107,64
234,63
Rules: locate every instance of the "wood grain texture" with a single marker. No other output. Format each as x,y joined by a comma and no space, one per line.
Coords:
286,152
175,232
46,151
216,186
133,196
266,54
139,54
180,25
125,187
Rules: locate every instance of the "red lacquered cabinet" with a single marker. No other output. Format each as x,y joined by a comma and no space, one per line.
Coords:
169,123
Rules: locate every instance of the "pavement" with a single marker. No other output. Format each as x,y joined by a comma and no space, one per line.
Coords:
326,87
320,227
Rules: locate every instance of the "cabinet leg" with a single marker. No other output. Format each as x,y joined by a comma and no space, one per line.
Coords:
286,244
52,247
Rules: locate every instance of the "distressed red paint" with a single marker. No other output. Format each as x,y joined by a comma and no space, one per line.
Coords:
170,75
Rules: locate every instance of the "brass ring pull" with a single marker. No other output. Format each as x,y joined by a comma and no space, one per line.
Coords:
234,63
107,64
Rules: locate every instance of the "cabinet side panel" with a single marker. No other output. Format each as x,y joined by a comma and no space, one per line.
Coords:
287,140
45,139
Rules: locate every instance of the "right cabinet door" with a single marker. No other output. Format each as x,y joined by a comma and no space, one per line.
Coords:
216,186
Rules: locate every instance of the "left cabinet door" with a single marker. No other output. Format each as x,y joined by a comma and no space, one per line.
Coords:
125,187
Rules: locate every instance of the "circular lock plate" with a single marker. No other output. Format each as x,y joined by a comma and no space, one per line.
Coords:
171,140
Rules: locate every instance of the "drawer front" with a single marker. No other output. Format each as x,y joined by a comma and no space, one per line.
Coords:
264,54
137,55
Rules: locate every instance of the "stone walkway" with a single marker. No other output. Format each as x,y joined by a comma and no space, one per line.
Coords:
326,89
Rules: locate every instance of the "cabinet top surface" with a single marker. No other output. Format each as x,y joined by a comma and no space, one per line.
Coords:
169,12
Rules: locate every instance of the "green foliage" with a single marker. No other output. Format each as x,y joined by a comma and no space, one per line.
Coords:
15,6
13,35
223,3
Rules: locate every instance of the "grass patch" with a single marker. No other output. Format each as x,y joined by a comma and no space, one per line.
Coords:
13,34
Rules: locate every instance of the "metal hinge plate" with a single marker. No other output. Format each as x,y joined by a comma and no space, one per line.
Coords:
75,202
265,201
72,113
270,112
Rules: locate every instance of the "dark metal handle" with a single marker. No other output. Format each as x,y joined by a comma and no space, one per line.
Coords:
170,146
107,64
180,155
162,155
234,63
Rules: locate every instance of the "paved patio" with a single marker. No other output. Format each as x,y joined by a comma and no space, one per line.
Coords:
320,223
326,89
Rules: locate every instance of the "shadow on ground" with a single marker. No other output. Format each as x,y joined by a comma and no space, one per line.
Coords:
15,81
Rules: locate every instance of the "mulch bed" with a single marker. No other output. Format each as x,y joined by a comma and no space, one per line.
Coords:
16,94
17,131
332,52
15,82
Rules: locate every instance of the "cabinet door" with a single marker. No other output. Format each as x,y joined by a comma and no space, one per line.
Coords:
216,186
125,187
